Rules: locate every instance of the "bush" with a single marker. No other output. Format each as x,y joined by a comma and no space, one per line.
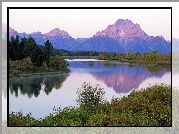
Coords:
148,107
57,63
89,95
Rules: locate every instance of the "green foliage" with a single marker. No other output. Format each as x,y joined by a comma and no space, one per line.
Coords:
15,49
57,62
37,57
26,67
148,107
137,58
88,94
39,61
29,46
22,66
48,51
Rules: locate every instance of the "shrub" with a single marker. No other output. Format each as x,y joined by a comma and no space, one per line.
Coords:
57,63
148,107
89,95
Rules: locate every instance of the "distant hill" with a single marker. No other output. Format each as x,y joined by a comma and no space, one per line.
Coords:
123,36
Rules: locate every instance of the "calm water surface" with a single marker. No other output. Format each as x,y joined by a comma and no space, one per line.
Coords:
39,94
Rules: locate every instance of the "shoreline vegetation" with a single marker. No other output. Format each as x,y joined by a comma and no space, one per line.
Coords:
132,58
25,68
94,110
124,61
26,58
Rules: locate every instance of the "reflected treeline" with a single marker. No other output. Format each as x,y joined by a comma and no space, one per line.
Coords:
90,63
122,78
33,85
114,64
155,69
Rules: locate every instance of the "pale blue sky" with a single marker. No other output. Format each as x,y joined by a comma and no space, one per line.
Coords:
84,23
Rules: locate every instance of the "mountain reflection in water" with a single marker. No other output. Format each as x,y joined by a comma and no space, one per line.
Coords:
40,94
122,78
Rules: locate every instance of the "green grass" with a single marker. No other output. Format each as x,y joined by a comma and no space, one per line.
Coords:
148,107
25,68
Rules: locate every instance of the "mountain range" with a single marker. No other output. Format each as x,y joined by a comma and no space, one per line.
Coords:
122,36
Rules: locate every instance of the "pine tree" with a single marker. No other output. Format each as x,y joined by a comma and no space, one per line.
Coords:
37,57
48,51
29,46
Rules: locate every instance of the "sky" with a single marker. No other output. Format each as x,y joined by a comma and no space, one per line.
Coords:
84,23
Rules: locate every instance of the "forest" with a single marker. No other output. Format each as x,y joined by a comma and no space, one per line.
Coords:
27,58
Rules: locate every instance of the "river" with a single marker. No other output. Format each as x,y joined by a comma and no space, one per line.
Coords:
40,94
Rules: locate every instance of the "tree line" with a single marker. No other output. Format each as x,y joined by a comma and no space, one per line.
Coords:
27,56
136,57
27,47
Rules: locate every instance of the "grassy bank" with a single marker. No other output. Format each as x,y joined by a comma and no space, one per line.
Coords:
38,73
148,107
25,67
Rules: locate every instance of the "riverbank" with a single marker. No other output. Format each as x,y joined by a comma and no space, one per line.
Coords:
123,61
25,67
38,74
155,110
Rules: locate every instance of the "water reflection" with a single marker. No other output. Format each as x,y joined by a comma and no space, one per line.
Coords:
33,85
116,78
122,78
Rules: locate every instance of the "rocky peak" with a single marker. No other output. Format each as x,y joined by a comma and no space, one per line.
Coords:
122,22
123,30
12,32
57,32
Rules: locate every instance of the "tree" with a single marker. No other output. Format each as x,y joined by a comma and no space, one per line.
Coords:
90,53
57,63
14,48
37,57
22,46
11,53
48,51
88,94
29,46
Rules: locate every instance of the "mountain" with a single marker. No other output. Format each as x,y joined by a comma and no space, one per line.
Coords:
175,45
132,38
122,36
59,38
104,44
